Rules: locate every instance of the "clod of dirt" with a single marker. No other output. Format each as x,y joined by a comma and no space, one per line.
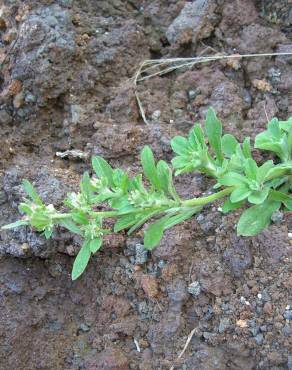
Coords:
110,359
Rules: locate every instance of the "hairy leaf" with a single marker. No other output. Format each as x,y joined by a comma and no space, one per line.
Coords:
256,218
15,224
180,145
31,192
102,169
71,226
95,245
81,261
148,164
214,133
229,144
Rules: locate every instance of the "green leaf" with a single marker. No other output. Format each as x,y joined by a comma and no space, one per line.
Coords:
164,175
258,197
174,220
15,224
229,144
246,148
86,186
81,261
71,226
31,192
256,218
48,233
196,138
251,169
214,133
124,222
274,129
282,197
102,169
148,164
154,233
180,145
278,171
265,141
40,221
233,179
141,219
263,170
180,162
80,217
240,194
95,245
286,125
25,208
229,206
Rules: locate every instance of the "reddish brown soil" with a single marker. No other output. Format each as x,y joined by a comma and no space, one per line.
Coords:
65,84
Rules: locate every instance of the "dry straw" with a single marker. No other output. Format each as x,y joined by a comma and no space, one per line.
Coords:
157,67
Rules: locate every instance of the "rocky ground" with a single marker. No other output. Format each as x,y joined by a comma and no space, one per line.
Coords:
65,86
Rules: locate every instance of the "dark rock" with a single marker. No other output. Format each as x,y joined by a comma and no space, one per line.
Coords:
259,338
84,328
192,24
141,254
288,314
46,32
223,325
5,117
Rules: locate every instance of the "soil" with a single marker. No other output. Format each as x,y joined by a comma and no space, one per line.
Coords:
65,85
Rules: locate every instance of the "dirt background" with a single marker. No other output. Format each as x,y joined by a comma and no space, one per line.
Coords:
65,85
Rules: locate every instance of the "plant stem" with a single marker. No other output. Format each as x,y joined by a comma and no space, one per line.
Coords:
205,200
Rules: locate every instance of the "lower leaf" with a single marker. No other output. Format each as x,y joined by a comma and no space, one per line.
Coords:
81,261
256,218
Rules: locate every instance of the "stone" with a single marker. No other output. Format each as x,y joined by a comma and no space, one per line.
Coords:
18,100
84,328
259,339
194,288
277,216
156,115
288,315
5,117
268,308
141,254
223,325
192,23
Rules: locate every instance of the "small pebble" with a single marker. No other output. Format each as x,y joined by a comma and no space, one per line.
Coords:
192,94
277,216
259,339
156,115
288,315
141,254
18,100
194,288
83,327
223,325
268,308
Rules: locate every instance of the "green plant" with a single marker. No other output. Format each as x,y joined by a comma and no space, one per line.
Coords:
111,193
